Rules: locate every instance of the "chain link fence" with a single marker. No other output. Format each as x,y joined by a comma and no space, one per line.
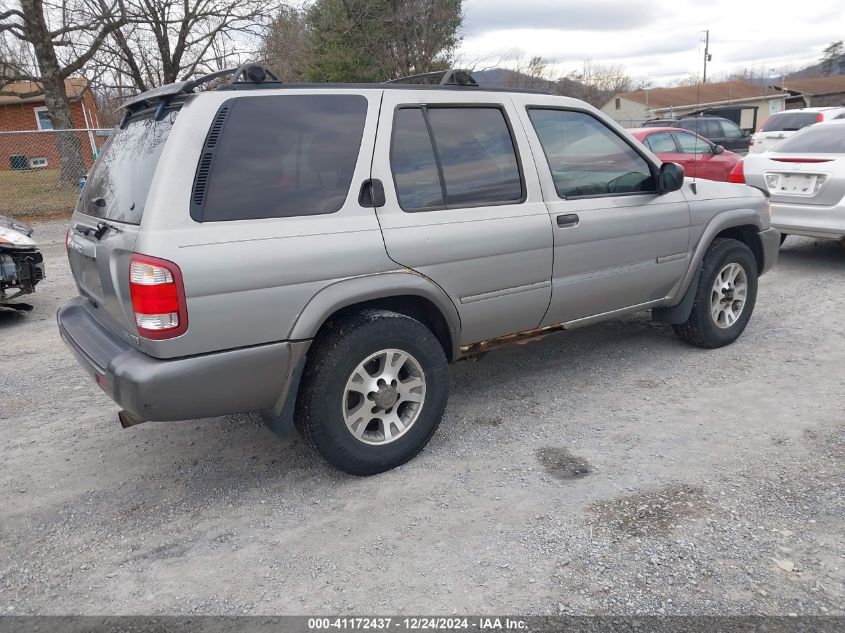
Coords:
40,170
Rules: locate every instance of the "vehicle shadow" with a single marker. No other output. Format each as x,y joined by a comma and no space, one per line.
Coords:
10,317
804,253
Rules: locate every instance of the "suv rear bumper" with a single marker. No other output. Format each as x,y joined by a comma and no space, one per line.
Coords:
234,381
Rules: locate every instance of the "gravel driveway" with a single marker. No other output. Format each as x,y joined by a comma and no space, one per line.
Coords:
610,469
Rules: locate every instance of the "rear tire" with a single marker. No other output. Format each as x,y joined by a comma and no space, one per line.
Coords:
373,391
725,298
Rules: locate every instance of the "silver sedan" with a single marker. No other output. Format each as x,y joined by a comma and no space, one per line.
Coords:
805,177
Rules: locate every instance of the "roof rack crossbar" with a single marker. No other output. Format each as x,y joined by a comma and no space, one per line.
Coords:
451,77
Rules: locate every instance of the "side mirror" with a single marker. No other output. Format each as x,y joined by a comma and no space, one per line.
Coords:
670,178
718,149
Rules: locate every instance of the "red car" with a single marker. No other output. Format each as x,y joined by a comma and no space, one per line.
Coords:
699,157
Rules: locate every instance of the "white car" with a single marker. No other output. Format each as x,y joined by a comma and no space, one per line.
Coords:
784,124
805,178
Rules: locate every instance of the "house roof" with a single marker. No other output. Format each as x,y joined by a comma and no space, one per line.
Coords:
816,86
9,94
725,91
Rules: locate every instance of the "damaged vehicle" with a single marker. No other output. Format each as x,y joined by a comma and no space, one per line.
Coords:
21,265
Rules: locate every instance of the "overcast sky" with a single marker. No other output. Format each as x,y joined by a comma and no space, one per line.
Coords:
657,39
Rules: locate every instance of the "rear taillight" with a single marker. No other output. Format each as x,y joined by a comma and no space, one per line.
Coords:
737,174
158,297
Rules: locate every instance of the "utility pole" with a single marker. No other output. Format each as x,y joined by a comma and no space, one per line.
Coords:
707,56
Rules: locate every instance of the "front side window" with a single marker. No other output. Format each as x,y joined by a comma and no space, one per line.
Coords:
730,130
450,157
661,143
587,158
279,156
691,144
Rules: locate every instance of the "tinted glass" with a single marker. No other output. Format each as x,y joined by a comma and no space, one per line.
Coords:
694,125
413,164
661,143
118,183
286,155
730,130
828,139
586,157
789,121
476,152
691,144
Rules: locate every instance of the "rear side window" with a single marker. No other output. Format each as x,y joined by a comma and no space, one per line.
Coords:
661,143
279,156
789,121
120,179
587,158
467,152
827,139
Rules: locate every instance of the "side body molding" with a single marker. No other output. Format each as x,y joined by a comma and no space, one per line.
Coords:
347,292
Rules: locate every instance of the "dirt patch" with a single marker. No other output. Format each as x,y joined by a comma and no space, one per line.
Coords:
488,420
650,513
562,464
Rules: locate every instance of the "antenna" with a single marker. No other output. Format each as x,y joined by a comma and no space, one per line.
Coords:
707,56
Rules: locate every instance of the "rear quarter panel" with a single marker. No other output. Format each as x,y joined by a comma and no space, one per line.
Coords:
247,281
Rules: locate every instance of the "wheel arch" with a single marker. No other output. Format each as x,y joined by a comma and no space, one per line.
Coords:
405,292
743,225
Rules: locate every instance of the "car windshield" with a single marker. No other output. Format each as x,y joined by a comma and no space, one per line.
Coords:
789,121
827,139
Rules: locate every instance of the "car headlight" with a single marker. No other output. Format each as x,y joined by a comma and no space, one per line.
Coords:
13,238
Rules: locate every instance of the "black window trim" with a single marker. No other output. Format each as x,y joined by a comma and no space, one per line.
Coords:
425,107
197,212
655,169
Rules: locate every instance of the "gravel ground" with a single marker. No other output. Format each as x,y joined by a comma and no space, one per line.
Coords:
608,470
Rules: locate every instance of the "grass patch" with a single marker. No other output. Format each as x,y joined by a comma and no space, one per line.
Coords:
37,193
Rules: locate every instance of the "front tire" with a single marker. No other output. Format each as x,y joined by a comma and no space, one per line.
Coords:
725,297
373,391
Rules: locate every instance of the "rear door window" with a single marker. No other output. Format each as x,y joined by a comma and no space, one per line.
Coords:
117,186
279,156
470,151
587,158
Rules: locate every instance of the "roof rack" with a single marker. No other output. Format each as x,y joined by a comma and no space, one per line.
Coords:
250,72
451,77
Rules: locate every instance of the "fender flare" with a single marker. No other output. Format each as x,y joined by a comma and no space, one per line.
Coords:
347,292
683,295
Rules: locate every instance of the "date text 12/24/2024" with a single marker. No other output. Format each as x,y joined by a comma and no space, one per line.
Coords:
417,623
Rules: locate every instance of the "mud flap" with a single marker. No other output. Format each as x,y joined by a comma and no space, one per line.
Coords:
679,313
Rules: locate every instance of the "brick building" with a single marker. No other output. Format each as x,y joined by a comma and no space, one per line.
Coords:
26,139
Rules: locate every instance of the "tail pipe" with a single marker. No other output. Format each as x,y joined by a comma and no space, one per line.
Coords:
127,419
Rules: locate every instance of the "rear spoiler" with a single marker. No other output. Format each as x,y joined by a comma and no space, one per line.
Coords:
162,95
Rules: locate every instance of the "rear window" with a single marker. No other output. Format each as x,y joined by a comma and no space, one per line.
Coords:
279,156
120,179
789,121
827,139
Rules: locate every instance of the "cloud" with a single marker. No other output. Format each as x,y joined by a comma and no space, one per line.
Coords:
569,15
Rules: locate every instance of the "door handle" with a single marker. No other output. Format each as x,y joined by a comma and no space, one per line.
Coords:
567,221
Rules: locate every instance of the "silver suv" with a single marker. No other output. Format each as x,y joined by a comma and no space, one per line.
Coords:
322,252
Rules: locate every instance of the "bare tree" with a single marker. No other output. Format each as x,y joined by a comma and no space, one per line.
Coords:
168,40
288,46
53,42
